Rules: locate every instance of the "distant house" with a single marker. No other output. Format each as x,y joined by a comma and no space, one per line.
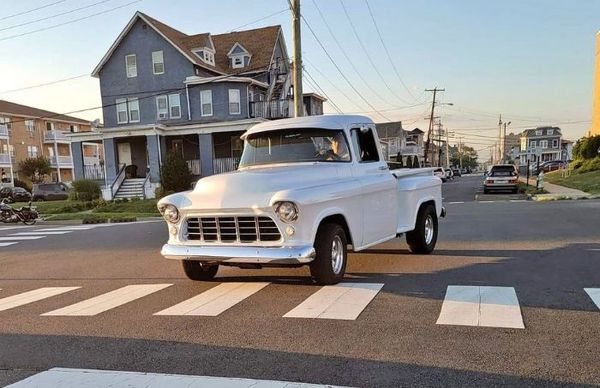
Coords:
396,140
540,144
567,150
166,91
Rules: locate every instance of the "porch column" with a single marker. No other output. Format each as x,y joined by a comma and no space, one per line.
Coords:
110,160
153,150
163,147
206,154
77,155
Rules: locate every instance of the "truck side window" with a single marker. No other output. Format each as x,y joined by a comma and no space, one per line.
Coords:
364,145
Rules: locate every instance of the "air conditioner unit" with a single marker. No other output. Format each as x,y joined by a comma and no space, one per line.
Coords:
162,116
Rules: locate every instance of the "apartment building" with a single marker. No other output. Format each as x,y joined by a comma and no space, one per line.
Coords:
30,132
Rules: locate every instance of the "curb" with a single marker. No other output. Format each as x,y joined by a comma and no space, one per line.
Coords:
562,197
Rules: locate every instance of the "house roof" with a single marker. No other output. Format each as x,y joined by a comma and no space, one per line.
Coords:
10,108
415,131
259,42
532,132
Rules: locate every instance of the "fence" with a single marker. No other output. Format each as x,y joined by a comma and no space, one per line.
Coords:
194,166
94,172
222,165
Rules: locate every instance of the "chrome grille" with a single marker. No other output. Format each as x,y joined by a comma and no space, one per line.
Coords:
231,229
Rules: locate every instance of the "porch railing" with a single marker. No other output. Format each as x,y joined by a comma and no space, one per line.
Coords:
52,136
94,172
60,161
221,165
194,166
5,159
91,160
114,187
276,109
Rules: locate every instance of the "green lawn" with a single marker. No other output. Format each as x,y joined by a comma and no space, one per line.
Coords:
77,210
588,181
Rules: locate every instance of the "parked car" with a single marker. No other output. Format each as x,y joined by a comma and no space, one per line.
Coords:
456,172
449,173
305,189
440,173
50,191
15,194
501,177
554,165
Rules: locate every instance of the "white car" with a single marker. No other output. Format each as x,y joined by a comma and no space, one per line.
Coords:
440,173
306,189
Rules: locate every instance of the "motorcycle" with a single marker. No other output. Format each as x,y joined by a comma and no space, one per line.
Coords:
27,214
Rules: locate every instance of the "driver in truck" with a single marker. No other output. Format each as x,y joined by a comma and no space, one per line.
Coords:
339,150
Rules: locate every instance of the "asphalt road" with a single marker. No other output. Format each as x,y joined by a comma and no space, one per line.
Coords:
547,252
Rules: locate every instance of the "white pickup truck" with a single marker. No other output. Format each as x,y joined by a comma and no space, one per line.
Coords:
305,191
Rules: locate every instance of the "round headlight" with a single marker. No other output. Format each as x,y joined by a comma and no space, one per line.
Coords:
287,211
170,213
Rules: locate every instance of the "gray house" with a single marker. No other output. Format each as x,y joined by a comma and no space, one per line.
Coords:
540,144
165,91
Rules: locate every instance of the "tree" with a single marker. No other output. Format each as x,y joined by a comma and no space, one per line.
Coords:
464,156
416,163
409,163
35,168
175,174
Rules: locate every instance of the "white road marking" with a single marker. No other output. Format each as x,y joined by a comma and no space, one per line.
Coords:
481,306
76,378
32,296
455,202
108,301
594,293
216,300
37,233
486,201
5,244
14,227
16,238
342,301
518,200
63,228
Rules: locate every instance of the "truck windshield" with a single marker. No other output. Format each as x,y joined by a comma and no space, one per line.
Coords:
295,145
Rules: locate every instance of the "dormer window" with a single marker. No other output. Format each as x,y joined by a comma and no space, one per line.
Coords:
539,132
239,57
205,54
237,62
550,132
209,58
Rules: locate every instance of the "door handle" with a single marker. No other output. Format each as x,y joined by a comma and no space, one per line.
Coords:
382,168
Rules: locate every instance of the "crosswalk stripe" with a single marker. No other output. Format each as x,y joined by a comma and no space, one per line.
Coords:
481,306
5,244
16,238
71,378
214,301
32,296
37,233
63,228
343,301
110,300
594,293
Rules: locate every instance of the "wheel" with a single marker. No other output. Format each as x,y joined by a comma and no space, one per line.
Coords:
329,265
38,199
196,271
30,222
423,238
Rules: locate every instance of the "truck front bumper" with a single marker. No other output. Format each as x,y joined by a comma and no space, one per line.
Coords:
239,254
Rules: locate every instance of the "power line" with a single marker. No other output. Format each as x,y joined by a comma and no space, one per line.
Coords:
313,83
348,60
368,56
53,16
32,10
340,70
259,20
387,51
68,22
44,84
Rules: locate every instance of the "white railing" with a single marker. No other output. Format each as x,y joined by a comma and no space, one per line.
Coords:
411,150
222,165
94,172
194,166
60,161
5,159
3,130
91,160
52,136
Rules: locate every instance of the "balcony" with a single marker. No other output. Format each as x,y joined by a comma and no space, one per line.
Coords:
411,150
91,160
61,161
5,160
3,131
271,110
55,137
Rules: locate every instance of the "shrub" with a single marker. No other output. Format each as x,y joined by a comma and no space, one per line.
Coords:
85,190
161,192
174,174
590,165
409,163
586,147
35,168
23,184
416,162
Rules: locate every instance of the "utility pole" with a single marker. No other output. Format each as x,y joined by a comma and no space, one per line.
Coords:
429,132
439,128
504,154
498,152
297,64
447,151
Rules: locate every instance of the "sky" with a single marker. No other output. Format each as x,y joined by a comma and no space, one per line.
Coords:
530,60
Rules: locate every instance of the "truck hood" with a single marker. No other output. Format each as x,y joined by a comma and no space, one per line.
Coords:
254,188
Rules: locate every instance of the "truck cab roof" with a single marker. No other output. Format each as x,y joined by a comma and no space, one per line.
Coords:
321,121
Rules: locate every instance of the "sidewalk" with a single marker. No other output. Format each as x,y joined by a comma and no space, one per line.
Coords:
555,191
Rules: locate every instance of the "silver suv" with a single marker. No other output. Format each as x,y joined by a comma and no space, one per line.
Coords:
501,177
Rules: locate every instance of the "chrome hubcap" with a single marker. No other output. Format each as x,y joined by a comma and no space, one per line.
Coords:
337,255
428,230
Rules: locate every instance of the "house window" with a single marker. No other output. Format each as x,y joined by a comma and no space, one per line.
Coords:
209,57
532,144
238,62
158,63
49,126
5,120
175,106
73,128
555,143
32,151
234,101
550,132
30,125
11,150
543,143
364,145
134,110
131,65
539,132
121,111
206,106
162,107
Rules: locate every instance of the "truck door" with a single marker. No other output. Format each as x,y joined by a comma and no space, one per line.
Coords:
378,187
